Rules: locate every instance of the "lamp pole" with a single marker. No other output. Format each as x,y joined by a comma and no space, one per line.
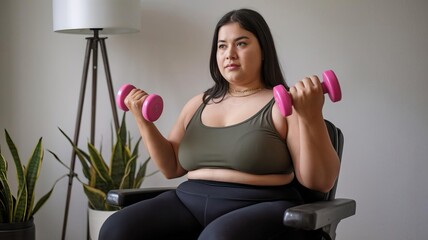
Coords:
91,49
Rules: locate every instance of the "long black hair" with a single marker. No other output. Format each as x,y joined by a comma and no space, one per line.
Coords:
253,22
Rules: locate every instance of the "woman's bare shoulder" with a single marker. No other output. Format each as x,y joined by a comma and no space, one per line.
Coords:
190,108
193,103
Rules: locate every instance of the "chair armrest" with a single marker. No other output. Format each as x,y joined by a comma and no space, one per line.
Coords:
126,197
319,214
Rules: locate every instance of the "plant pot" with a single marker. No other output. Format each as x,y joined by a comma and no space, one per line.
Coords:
96,220
18,231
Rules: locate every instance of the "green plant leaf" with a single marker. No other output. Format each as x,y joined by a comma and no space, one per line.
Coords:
122,130
120,173
19,208
7,198
132,168
82,156
135,151
16,159
3,164
98,164
120,155
21,204
125,183
117,163
141,173
132,176
3,213
85,160
43,199
98,183
58,159
96,198
32,174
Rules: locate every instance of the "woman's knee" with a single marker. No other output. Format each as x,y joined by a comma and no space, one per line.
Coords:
124,223
114,228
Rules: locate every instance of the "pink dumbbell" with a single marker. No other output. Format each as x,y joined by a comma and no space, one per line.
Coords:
329,85
152,106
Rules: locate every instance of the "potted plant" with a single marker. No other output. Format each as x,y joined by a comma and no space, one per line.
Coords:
17,211
120,173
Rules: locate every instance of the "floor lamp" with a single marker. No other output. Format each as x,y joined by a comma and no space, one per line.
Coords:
93,17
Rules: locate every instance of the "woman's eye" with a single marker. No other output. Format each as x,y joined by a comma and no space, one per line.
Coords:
241,44
221,46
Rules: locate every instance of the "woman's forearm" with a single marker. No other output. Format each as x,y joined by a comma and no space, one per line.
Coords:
318,160
160,149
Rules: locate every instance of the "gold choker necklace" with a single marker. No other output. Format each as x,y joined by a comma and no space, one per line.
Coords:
244,93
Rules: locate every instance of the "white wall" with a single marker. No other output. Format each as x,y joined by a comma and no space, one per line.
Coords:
378,48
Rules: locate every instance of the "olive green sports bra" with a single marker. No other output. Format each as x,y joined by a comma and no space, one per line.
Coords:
252,146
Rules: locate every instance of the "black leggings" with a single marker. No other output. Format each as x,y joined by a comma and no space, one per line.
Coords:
205,210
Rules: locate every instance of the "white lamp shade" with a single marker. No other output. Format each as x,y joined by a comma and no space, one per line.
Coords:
112,16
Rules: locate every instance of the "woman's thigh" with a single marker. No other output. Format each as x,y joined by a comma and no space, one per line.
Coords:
258,221
162,217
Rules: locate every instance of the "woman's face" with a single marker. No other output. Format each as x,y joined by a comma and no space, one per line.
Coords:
239,56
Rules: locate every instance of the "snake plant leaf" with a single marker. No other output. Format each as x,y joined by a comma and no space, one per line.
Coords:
131,167
7,198
120,155
32,174
58,159
135,151
132,178
16,159
20,208
96,198
3,213
126,183
117,162
98,163
98,183
85,160
43,199
81,155
3,163
141,173
122,130
21,205
121,172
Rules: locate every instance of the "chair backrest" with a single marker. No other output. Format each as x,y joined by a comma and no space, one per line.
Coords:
337,139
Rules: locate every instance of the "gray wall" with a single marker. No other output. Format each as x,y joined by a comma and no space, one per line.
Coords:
378,48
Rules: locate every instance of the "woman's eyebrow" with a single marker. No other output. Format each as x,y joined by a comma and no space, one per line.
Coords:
235,40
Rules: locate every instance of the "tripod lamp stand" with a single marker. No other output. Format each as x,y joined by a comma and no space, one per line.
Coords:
93,17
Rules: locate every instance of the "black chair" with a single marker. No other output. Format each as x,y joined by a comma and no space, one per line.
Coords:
316,219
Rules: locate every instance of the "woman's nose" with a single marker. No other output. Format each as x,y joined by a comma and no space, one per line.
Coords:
231,53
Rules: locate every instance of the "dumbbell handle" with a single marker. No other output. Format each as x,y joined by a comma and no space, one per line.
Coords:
152,107
329,85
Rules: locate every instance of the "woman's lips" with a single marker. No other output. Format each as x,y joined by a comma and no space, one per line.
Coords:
232,66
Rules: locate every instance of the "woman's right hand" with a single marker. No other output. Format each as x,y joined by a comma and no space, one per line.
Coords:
134,102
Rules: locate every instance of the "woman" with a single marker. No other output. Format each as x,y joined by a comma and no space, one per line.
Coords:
239,153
